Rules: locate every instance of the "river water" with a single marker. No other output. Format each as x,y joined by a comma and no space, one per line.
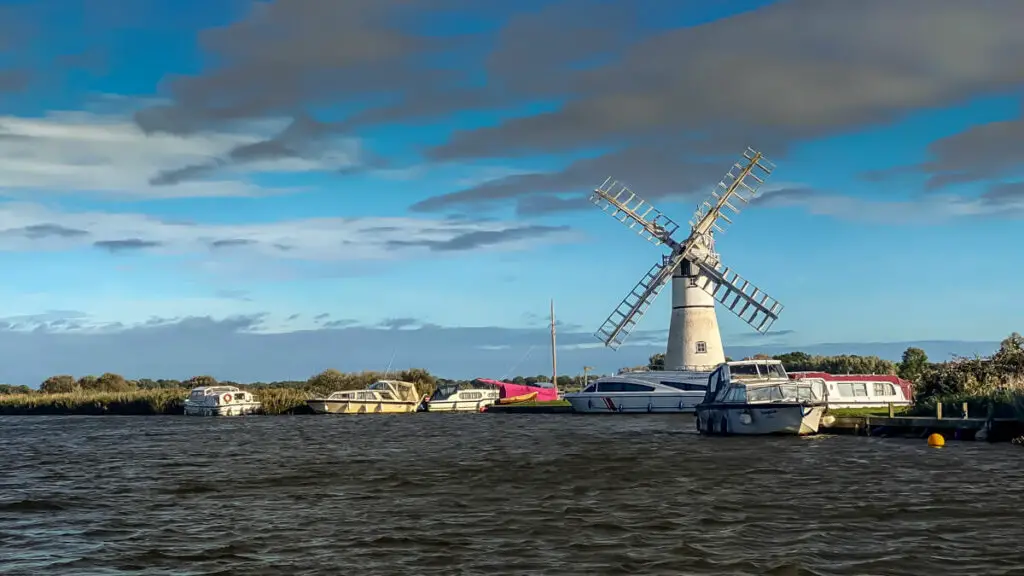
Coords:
493,494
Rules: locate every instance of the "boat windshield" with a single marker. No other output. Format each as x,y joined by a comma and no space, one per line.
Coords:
378,386
794,392
445,391
761,370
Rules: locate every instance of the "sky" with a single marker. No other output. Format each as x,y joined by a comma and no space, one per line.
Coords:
262,190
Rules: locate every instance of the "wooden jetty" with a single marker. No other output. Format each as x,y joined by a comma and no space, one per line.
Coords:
961,427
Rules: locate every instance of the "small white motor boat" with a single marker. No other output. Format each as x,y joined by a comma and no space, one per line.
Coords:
220,401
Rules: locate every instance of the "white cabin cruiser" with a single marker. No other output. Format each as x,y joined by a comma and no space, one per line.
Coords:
861,390
452,397
755,397
641,392
220,401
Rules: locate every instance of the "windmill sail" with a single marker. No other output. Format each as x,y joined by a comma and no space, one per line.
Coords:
736,189
623,319
634,212
742,298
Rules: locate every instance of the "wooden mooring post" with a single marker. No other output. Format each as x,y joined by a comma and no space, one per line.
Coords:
938,410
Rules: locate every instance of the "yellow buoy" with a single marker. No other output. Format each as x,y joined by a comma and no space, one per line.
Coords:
936,441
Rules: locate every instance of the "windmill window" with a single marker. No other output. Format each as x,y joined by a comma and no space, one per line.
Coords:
702,347
693,281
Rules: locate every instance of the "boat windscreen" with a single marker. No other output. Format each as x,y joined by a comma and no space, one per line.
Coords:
744,370
444,391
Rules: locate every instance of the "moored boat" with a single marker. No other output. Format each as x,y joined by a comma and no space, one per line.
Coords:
641,392
757,397
220,401
861,390
455,397
531,397
380,397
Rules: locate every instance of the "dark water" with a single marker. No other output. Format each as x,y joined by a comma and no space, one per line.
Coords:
493,494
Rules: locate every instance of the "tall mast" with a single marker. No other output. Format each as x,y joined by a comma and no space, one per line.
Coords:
554,353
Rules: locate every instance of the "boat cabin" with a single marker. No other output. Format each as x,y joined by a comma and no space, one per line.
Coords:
758,382
381,390
861,390
213,395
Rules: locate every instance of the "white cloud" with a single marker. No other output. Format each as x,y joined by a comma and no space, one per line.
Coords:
105,152
26,227
927,209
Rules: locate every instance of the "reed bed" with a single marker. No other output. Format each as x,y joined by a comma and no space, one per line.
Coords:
131,403
169,401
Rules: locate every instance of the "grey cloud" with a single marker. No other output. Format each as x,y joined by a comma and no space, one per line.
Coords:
233,349
41,231
340,323
399,323
977,154
655,170
320,317
767,77
125,245
820,66
480,239
782,197
1005,193
231,243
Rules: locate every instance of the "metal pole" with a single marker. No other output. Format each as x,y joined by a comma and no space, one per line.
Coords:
554,354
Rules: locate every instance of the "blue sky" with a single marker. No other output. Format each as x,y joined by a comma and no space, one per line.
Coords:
304,185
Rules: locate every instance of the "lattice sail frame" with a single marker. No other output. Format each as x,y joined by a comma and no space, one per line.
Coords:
742,298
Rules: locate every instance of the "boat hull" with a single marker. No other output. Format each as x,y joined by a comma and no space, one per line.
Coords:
458,405
239,409
792,419
362,406
634,403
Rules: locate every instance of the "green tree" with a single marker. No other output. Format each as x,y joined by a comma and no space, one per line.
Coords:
913,365
110,382
88,383
328,381
197,381
656,361
60,384
797,361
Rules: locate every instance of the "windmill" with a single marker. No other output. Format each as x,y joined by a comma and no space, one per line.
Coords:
698,276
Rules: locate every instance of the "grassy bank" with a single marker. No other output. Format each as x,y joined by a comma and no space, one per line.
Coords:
1001,404
137,402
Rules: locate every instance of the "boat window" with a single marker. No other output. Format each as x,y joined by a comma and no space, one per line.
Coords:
879,389
890,389
702,347
683,385
765,394
860,389
444,391
845,388
738,395
776,371
623,387
591,388
472,395
744,370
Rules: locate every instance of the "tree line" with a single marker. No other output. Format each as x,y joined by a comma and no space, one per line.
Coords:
1003,370
324,382
959,376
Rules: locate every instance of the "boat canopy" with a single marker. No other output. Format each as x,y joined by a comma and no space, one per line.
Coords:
507,390
405,391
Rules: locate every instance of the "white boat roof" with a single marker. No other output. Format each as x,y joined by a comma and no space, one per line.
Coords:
216,389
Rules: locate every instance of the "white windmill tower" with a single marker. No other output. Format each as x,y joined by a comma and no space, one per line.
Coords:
698,276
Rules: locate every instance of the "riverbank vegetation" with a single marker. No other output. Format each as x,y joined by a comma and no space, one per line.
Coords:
993,383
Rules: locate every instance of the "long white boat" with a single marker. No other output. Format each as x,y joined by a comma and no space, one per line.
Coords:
641,392
380,397
861,390
757,397
220,401
452,397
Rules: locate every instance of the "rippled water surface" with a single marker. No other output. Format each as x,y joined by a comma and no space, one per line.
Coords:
493,494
